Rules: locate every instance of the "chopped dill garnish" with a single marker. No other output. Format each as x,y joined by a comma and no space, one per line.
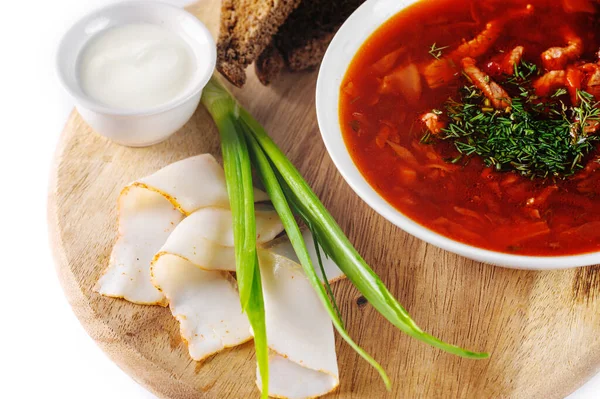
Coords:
523,72
536,139
585,115
436,52
559,92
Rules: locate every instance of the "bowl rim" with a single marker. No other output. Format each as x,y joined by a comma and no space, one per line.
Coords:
189,93
374,13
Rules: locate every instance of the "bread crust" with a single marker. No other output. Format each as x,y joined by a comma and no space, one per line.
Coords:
269,65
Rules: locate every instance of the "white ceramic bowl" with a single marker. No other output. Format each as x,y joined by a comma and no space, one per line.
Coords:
145,126
370,16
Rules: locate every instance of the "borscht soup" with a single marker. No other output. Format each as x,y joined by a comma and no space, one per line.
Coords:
480,120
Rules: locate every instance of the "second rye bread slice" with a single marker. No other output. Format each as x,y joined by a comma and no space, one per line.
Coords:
247,28
302,41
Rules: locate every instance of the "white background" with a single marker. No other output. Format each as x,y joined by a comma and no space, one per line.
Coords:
45,352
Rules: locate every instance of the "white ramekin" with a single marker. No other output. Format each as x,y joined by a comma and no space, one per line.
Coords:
145,126
370,16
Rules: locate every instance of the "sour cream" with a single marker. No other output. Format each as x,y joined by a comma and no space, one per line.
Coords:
136,67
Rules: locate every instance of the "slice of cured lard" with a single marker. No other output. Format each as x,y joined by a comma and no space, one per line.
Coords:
303,362
149,210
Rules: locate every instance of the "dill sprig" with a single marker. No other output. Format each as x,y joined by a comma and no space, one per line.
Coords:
523,73
436,52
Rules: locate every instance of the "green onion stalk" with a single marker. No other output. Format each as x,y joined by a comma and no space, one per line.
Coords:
238,175
244,143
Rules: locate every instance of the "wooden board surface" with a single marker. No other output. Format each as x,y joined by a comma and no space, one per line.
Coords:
541,328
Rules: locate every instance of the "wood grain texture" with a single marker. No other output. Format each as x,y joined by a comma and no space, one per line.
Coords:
541,328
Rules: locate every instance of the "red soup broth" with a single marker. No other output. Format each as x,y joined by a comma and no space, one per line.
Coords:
470,203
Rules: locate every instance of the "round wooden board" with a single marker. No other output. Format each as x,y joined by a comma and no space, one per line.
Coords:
541,328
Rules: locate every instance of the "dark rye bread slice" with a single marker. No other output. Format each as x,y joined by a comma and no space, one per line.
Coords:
247,28
302,41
